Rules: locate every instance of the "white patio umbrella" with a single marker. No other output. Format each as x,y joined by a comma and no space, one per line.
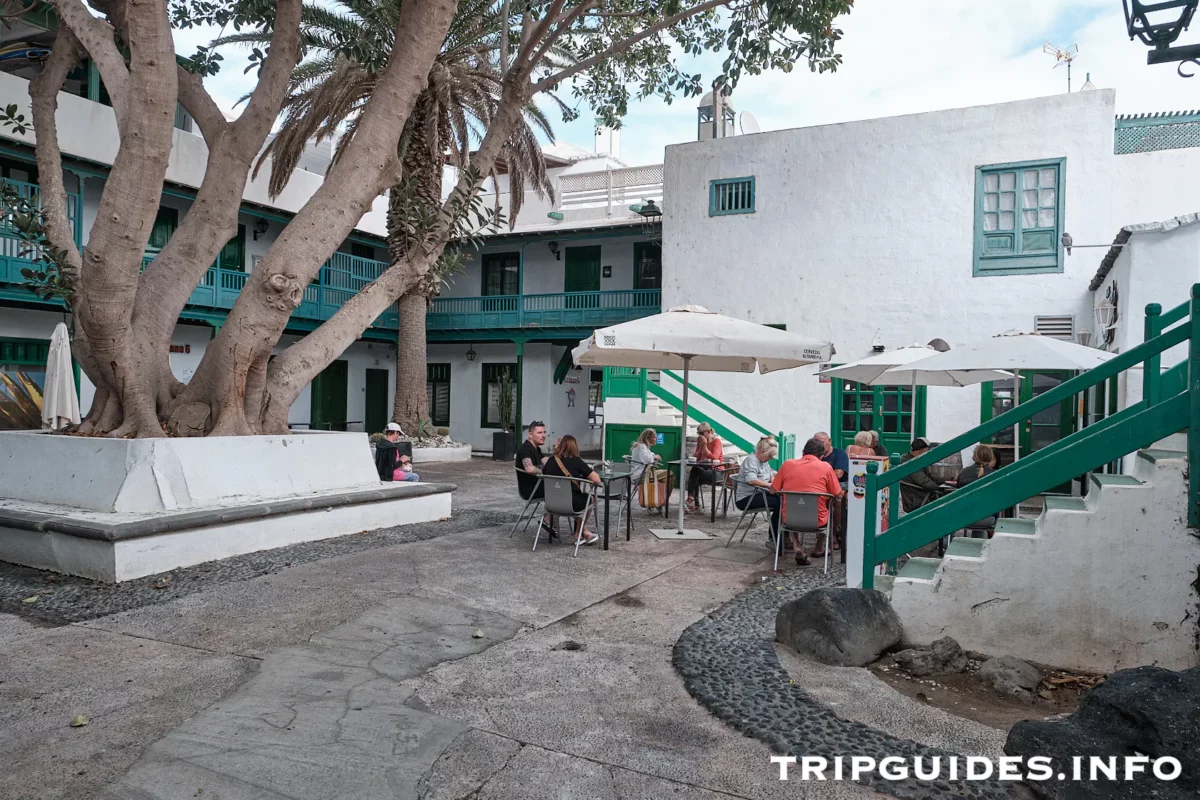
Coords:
60,404
889,369
692,337
1014,351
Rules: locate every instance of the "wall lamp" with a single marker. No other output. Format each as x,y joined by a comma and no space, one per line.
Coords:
553,249
260,228
470,353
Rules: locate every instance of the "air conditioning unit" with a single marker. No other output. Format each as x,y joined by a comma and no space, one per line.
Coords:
1060,326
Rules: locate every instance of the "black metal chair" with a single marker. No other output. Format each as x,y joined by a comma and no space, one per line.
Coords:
801,514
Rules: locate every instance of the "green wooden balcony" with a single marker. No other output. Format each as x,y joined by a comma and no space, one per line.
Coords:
539,311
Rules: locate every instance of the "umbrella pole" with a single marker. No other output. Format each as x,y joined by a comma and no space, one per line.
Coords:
912,421
687,363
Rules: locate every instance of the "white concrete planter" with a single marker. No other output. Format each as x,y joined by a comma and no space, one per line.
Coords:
427,455
146,475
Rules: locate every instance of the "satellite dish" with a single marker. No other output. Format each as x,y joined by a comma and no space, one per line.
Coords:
748,123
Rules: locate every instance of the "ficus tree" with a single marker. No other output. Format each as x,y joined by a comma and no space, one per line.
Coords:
619,50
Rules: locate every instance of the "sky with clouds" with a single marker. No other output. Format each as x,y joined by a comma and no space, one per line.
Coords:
900,57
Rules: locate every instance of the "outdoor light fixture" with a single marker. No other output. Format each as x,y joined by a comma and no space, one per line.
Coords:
1083,337
260,228
1106,314
651,216
1170,19
470,353
553,249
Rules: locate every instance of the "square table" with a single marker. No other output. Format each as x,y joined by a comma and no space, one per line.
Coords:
615,474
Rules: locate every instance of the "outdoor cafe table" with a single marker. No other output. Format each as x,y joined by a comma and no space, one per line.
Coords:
615,474
722,468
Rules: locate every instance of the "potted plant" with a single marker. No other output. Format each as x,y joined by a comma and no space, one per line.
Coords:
503,445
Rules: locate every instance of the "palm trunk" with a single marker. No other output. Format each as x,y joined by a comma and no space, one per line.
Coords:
411,406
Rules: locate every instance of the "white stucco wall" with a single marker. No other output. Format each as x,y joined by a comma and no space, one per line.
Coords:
868,227
88,130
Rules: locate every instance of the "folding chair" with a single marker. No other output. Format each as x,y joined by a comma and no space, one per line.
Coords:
533,501
560,503
750,511
800,514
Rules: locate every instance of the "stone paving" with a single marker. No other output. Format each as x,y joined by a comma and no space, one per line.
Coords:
438,661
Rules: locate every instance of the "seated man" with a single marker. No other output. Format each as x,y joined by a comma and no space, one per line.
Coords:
529,461
922,486
390,463
809,474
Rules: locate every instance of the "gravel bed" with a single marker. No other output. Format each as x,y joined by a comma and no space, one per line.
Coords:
728,663
62,599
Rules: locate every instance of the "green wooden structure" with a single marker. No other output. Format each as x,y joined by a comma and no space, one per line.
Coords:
630,383
1170,403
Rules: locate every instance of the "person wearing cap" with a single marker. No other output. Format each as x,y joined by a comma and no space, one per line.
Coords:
922,486
390,463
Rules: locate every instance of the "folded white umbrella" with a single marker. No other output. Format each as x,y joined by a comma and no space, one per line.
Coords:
692,337
890,369
60,404
1012,352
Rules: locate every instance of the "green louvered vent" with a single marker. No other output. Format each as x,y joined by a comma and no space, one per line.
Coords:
1145,133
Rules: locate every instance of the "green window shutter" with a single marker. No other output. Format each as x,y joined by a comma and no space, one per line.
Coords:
731,196
501,274
437,390
165,223
233,254
1019,217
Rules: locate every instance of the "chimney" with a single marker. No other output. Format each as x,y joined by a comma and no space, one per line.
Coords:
608,142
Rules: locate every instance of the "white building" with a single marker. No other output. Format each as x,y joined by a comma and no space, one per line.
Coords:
889,232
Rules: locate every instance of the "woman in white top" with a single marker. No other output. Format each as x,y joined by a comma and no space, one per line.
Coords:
756,472
640,456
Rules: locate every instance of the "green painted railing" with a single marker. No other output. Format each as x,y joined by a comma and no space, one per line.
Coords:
1169,403
635,384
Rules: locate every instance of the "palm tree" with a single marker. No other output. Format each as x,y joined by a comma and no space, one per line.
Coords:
346,45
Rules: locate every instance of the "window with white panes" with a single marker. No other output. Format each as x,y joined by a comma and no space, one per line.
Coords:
1018,218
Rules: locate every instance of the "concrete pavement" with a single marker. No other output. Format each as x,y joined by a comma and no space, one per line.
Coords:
361,676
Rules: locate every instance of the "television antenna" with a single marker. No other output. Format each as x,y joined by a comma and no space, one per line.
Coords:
1062,55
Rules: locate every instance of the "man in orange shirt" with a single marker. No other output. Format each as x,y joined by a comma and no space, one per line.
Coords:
808,474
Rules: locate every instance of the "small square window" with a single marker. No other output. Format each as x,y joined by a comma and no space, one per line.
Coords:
731,196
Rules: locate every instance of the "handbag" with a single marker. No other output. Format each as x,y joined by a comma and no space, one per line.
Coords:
655,485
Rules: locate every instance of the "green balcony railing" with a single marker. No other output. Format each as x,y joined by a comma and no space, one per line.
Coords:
561,310
1170,403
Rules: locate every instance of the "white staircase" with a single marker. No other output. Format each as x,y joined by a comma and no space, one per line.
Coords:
1099,584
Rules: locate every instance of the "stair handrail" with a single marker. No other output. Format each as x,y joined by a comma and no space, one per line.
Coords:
697,414
1146,421
1020,413
694,389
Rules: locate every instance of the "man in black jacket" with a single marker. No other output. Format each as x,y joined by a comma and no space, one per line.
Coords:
390,463
922,486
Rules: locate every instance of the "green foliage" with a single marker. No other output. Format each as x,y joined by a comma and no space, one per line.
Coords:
425,428
236,15
11,118
504,403
22,215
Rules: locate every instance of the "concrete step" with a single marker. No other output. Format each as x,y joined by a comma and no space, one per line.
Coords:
920,569
1020,527
1115,480
1056,503
966,547
1154,455
884,584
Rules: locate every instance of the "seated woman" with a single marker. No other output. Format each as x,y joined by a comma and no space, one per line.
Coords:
708,448
756,471
985,464
566,463
880,450
640,455
862,445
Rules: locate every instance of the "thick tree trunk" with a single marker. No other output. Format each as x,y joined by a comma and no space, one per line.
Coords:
365,169
412,402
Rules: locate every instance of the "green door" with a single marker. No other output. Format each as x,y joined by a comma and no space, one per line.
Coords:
377,400
886,409
329,398
233,254
582,274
